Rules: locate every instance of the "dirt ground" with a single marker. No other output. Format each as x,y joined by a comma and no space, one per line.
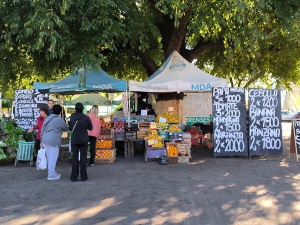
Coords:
130,191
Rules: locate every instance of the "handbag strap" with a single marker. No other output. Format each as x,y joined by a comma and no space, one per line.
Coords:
49,121
74,126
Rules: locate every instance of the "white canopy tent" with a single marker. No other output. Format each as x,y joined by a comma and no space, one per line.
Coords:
178,75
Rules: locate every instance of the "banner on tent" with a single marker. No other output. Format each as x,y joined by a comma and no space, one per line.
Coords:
27,106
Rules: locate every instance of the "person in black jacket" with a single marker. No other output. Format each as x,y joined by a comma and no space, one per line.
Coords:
79,124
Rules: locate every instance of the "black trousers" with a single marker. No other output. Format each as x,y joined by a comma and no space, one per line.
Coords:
37,145
75,162
92,148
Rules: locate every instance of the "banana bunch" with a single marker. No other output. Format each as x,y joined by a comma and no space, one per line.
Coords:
153,136
158,144
174,128
171,117
162,125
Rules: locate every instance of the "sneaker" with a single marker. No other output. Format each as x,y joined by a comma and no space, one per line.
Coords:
53,177
92,164
57,174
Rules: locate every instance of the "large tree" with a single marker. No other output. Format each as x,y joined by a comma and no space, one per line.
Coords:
242,40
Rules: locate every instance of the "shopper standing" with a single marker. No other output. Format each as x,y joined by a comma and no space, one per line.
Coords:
94,134
52,130
79,124
40,121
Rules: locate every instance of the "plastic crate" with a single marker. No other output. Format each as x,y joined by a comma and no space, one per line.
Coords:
119,134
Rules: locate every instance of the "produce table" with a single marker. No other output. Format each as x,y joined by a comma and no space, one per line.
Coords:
129,147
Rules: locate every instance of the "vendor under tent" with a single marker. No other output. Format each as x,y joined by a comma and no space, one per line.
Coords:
177,75
83,81
89,99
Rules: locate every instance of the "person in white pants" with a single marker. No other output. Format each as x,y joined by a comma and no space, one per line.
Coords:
52,155
52,130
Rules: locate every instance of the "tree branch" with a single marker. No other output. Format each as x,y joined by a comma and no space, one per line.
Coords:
201,48
147,61
252,80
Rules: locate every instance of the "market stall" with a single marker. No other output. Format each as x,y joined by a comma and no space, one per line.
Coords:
86,81
178,76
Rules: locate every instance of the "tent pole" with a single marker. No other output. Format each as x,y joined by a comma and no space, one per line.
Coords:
128,108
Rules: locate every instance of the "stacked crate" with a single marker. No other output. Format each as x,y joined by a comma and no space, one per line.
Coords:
143,127
172,152
119,129
183,153
105,147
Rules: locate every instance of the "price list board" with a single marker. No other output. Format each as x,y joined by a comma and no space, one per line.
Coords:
229,122
265,133
27,106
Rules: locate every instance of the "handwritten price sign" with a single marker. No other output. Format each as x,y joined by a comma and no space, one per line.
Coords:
153,125
107,119
171,109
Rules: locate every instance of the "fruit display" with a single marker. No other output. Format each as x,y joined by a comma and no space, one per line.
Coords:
103,154
119,124
174,128
105,125
183,154
106,143
169,116
158,144
162,125
153,136
172,150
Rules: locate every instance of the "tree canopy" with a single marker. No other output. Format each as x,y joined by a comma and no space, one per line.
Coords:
241,40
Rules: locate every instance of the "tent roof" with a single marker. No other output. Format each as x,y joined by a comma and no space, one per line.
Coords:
91,99
84,81
178,75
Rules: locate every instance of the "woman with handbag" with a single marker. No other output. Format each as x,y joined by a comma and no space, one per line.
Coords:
79,124
52,130
94,133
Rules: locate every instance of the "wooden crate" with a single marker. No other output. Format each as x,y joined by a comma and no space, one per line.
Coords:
104,160
183,159
173,159
141,134
143,125
108,133
168,146
128,149
107,140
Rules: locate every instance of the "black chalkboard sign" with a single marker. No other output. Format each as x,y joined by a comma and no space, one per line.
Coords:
265,133
296,124
27,105
229,123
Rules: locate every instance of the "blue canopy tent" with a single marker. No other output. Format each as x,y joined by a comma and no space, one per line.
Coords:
84,81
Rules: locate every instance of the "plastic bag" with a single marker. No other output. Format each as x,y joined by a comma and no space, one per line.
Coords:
163,159
41,160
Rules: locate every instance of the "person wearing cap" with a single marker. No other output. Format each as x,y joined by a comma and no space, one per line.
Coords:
79,125
52,130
